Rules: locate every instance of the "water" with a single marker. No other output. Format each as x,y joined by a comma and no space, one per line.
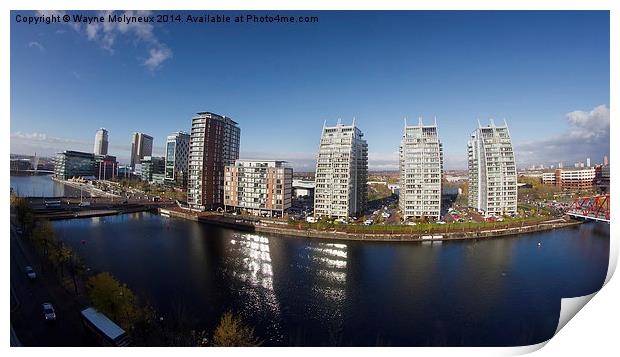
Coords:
42,186
495,292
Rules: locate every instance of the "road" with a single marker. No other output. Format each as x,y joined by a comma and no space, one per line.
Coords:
27,296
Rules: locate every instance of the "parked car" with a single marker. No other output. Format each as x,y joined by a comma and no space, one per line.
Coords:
84,204
30,272
48,312
368,222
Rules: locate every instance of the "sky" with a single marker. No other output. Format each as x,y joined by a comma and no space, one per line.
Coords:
545,72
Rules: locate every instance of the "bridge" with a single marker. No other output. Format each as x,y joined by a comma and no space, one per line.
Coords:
38,171
594,208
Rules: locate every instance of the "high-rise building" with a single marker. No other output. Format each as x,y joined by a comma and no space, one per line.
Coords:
101,142
214,143
141,146
106,167
341,172
261,187
492,170
602,176
588,162
152,169
177,155
605,161
421,169
69,164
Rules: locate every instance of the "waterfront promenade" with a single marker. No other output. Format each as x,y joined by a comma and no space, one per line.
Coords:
404,234
86,188
70,208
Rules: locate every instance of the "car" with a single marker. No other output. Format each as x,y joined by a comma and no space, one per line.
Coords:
48,312
411,223
84,204
30,272
441,222
368,222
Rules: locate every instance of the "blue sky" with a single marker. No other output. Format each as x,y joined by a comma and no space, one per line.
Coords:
546,73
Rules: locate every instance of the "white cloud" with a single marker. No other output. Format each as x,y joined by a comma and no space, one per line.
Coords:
383,160
306,161
595,121
43,144
300,161
157,56
36,45
18,135
588,137
106,34
74,25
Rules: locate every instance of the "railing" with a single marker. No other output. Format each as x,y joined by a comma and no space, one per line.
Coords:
593,208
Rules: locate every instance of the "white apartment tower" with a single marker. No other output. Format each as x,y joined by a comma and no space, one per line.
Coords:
341,172
421,170
101,142
492,170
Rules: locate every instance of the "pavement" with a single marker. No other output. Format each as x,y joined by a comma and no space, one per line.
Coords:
28,326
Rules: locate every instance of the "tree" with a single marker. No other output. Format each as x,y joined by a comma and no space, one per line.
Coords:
113,299
43,236
76,267
61,255
23,210
231,332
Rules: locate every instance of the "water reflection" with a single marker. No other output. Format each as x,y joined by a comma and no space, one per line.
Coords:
492,292
250,264
42,186
331,265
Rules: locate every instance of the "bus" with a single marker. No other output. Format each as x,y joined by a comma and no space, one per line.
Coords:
107,332
52,203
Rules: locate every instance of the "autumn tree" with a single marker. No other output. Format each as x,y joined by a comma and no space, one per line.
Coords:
43,236
23,211
113,299
60,255
231,332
